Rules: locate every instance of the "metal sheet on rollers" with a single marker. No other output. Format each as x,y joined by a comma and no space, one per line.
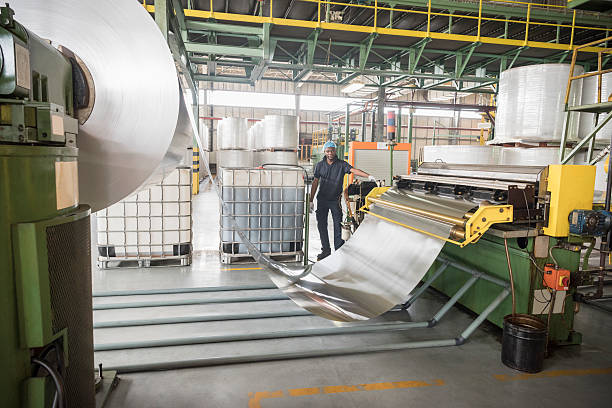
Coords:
378,267
131,129
280,132
278,157
232,134
530,104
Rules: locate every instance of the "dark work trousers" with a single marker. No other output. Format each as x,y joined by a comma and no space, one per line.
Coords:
322,208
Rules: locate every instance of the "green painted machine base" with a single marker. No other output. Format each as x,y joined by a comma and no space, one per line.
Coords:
488,256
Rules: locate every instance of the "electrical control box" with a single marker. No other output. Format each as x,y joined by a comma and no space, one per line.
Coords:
556,278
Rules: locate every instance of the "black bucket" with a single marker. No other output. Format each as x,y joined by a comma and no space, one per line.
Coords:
524,343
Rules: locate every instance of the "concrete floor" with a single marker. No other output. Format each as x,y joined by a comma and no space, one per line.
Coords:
471,375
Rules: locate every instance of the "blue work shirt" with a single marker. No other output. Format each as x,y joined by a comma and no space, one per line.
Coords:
330,178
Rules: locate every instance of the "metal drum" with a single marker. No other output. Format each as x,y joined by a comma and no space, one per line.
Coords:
531,101
589,96
278,157
280,132
232,134
235,158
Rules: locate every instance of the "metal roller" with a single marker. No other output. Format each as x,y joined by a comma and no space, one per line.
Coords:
139,125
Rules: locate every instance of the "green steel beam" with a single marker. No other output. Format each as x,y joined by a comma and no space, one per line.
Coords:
364,50
194,25
311,45
161,19
180,17
224,50
461,66
221,78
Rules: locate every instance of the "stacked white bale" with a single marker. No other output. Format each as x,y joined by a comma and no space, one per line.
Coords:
233,144
258,143
280,138
278,157
589,96
458,154
524,156
232,134
235,159
531,104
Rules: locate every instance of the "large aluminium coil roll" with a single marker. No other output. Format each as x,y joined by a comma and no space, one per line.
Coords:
457,154
278,157
589,96
139,125
531,104
280,132
235,159
232,134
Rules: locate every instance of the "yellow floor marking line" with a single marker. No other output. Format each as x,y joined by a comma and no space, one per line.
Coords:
241,269
554,373
256,397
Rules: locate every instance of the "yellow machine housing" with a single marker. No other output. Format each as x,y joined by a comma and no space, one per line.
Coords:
571,187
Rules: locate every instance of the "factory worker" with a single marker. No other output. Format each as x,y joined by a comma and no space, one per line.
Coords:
329,175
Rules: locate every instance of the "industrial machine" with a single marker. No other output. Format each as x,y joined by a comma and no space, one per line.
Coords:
46,340
523,224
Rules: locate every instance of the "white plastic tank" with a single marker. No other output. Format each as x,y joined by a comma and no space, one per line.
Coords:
531,103
589,96
461,154
280,132
232,134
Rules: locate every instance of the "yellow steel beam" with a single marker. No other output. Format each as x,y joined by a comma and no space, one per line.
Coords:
246,18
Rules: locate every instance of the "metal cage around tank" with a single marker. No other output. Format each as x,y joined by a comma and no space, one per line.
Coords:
268,206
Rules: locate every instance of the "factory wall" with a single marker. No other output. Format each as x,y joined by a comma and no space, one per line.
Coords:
445,129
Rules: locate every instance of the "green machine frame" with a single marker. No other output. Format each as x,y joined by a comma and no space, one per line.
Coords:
488,256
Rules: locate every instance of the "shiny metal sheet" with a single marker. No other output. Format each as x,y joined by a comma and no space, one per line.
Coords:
379,266
371,273
129,139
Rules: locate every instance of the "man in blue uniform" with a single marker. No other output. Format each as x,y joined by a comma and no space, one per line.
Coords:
328,177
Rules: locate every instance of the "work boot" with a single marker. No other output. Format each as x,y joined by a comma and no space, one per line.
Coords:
323,255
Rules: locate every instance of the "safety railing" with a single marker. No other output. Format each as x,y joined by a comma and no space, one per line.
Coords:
599,71
381,11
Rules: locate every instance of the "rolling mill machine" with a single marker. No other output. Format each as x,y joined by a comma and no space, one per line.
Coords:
523,224
78,132
46,342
